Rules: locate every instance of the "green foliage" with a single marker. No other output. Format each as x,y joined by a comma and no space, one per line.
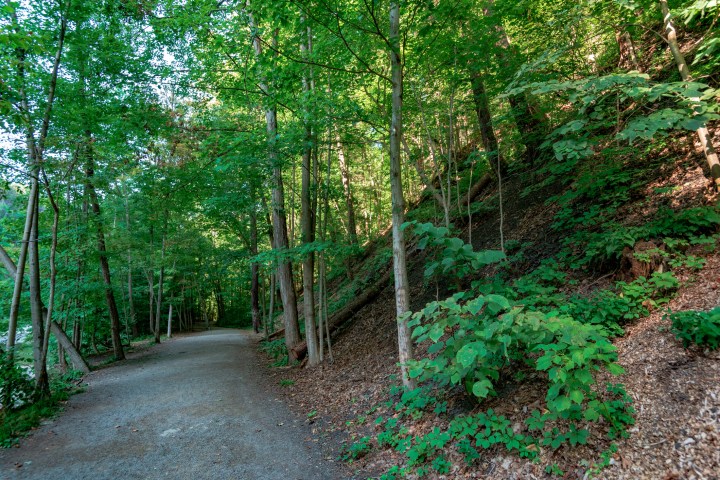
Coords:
16,387
697,327
16,422
628,301
356,449
473,339
453,257
277,350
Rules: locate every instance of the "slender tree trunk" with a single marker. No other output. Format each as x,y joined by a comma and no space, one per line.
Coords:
345,175
482,110
280,232
77,333
42,385
255,273
72,347
161,279
324,331
402,293
169,322
131,303
443,198
104,265
271,313
628,56
150,275
307,219
35,156
19,274
703,134
526,121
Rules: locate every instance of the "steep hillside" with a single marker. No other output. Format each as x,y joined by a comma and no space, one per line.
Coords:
674,390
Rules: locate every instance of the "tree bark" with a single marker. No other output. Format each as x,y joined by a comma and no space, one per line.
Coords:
20,271
131,304
347,312
42,384
307,219
161,279
284,271
104,265
76,357
402,290
255,274
347,190
628,57
35,156
703,134
482,110
169,322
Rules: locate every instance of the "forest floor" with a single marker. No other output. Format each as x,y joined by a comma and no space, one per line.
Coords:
675,391
195,407
676,395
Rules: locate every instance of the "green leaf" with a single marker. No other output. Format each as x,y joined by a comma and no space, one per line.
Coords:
475,305
497,303
577,396
467,354
481,389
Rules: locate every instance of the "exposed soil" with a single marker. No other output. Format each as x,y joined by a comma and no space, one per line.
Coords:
196,407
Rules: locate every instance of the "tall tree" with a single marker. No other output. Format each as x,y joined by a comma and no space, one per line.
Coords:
280,233
402,287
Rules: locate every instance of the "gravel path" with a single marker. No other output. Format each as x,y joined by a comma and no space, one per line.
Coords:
195,407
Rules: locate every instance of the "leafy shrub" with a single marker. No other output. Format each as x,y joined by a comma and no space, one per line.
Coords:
15,422
453,257
16,387
473,338
356,450
277,350
697,327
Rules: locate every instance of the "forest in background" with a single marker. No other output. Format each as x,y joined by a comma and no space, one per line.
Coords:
171,164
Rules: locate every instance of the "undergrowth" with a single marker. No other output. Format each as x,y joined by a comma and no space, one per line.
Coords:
17,422
277,350
504,329
697,327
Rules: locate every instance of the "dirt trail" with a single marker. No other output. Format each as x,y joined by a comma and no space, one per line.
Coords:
195,407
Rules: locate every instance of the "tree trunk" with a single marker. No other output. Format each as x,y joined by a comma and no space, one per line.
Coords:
42,384
628,56
280,233
402,293
526,121
20,271
104,265
703,134
70,347
307,219
35,156
169,322
255,274
340,317
482,109
161,279
131,304
150,275
345,175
